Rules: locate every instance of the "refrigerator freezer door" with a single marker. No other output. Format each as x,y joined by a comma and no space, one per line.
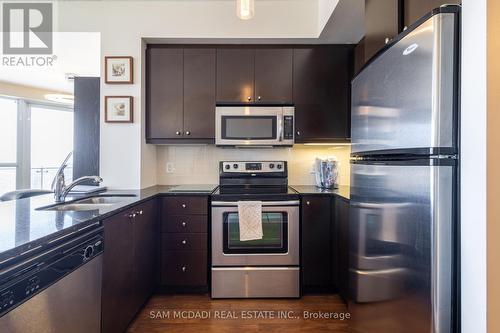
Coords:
405,99
401,245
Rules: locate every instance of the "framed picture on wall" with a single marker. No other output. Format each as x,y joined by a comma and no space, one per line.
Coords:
119,70
118,109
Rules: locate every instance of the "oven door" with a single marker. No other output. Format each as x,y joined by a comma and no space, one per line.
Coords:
249,126
279,245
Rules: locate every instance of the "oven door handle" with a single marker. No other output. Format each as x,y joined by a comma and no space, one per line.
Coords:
264,203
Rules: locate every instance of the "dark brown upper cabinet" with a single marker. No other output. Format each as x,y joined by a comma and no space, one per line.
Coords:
383,21
184,83
248,75
415,9
165,93
199,93
180,95
235,75
273,75
321,93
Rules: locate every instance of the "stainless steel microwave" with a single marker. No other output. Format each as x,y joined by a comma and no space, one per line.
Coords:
250,126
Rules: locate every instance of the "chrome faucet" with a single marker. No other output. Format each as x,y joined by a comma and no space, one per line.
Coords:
59,183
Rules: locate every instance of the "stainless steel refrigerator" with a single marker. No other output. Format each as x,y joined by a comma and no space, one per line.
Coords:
403,272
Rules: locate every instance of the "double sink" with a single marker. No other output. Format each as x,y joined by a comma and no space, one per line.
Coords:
89,203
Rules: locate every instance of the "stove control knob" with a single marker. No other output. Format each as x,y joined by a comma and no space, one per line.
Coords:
227,167
279,166
271,165
235,166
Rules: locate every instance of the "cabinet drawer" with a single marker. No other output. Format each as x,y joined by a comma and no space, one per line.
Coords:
183,241
184,268
185,205
184,223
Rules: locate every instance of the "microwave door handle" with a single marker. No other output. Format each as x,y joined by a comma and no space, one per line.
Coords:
280,128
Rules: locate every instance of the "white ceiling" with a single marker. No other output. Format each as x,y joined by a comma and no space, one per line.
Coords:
80,53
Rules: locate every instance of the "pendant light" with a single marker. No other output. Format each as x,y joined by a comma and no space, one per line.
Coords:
245,9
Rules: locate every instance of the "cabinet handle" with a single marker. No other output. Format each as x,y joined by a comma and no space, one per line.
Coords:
259,98
298,133
184,242
177,133
131,216
308,203
249,98
184,224
188,133
139,212
183,268
387,40
183,205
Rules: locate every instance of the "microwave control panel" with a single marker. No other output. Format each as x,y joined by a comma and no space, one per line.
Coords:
288,127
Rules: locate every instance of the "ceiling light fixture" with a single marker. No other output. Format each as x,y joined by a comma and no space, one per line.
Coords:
245,9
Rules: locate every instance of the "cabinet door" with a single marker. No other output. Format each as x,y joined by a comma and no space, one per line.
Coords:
199,93
165,93
273,75
342,227
117,283
321,92
316,251
415,9
235,75
145,251
359,56
382,20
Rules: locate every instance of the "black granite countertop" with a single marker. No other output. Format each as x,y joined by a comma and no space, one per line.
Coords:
24,229
343,190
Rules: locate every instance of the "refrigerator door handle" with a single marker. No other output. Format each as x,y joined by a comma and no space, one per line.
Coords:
441,252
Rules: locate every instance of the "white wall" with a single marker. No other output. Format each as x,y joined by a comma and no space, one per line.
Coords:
325,10
473,167
200,164
126,161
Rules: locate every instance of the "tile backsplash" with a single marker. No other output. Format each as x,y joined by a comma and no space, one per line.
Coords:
199,164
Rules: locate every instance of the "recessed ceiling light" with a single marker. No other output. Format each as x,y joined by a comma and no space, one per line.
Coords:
245,9
60,98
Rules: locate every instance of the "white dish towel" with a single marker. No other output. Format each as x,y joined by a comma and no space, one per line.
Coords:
250,220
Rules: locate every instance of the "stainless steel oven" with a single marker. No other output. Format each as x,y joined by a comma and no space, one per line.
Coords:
254,126
279,245
266,267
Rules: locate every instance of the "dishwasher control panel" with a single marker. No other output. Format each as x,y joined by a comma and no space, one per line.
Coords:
30,277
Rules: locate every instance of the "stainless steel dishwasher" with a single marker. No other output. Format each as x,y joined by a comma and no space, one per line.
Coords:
58,290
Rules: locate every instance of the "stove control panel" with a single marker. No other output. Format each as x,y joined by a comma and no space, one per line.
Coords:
253,167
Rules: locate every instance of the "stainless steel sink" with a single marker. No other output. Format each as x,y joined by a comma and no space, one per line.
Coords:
76,207
91,203
101,200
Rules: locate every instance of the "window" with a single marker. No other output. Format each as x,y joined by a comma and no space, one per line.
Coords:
8,141
34,140
51,141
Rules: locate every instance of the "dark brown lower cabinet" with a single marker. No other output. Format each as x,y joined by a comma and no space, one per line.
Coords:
342,232
316,242
325,244
145,250
129,258
117,286
184,244
184,268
